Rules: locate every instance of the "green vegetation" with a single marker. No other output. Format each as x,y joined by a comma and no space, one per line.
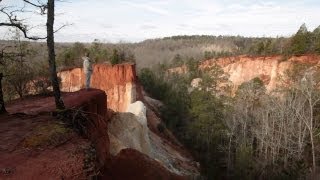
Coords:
71,56
251,135
196,117
171,50
115,59
99,53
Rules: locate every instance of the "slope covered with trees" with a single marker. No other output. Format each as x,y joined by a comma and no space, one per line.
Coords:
252,135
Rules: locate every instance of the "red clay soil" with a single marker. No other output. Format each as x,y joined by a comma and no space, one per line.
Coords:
61,161
133,165
65,159
37,104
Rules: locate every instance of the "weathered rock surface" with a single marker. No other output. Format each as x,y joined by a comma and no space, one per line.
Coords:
131,120
118,81
269,69
130,130
126,131
67,159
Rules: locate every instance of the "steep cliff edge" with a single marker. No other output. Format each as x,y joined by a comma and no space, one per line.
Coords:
244,68
132,126
118,81
269,69
35,145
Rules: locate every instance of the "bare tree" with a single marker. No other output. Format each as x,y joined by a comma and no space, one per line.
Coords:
308,87
274,126
13,21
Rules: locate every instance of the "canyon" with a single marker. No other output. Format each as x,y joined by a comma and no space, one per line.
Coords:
124,123
240,69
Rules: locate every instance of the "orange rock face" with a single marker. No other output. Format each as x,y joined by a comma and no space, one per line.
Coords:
269,69
118,81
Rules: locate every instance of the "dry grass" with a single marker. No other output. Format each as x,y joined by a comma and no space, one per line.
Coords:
51,134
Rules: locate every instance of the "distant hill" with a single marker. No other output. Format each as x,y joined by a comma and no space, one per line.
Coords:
178,49
151,52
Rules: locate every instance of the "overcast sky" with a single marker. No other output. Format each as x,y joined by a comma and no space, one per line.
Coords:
136,20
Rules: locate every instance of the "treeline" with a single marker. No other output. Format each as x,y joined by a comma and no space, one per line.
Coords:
209,47
152,52
98,53
252,135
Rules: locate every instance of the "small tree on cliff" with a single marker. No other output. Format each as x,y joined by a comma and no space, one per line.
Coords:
115,59
13,21
21,73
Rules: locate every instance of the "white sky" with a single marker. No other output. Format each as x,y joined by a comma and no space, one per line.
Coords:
136,20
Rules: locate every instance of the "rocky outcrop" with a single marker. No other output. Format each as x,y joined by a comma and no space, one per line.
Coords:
118,81
129,125
140,112
130,130
128,151
269,69
126,131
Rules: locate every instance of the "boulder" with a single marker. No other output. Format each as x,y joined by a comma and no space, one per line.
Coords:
129,130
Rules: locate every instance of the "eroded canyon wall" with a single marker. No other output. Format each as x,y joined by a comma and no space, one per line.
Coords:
269,69
118,81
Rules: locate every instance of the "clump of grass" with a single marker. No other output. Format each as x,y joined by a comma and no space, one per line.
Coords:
51,134
75,119
90,163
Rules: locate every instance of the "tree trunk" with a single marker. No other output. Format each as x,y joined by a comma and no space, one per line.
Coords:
313,152
311,136
51,55
2,107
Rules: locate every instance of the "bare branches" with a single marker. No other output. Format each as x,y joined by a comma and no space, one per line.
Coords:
43,7
14,21
23,30
61,27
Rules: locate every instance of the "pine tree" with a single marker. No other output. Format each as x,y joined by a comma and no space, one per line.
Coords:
316,40
301,41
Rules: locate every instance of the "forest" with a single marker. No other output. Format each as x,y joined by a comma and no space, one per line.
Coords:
253,134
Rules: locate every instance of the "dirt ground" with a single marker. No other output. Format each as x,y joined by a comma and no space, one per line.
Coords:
34,145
